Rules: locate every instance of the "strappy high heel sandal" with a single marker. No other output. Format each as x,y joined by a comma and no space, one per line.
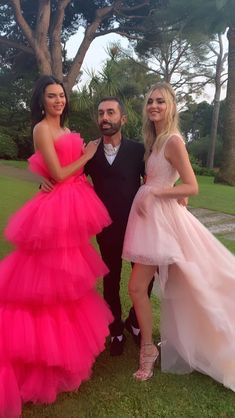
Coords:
147,362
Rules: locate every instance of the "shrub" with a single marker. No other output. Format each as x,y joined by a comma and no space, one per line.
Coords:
198,169
199,148
25,146
8,147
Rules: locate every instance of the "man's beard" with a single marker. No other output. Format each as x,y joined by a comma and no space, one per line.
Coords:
112,128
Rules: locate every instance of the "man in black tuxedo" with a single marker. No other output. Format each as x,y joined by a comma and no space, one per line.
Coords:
116,171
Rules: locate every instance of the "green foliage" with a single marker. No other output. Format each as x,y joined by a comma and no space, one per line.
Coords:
175,59
15,95
196,119
132,129
195,123
204,16
8,148
199,149
25,145
210,17
122,77
198,169
104,16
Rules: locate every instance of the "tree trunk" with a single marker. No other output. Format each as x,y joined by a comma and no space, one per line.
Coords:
216,107
214,126
227,171
43,61
45,37
89,35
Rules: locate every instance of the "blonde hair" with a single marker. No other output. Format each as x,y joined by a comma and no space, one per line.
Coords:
171,122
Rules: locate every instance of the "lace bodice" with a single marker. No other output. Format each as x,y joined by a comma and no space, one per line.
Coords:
159,171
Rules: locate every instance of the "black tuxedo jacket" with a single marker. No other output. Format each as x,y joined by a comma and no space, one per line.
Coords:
117,184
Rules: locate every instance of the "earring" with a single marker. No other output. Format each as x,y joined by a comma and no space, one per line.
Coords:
41,109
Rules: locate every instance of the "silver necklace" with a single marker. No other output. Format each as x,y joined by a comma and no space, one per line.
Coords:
110,150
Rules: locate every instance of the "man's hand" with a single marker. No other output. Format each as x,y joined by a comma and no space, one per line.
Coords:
47,185
183,201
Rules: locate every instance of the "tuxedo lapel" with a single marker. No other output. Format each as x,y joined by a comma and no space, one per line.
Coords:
121,155
100,156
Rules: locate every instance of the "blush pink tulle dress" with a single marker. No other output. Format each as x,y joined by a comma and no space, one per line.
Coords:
196,280
53,323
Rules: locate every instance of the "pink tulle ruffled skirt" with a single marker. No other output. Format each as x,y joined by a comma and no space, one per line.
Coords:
53,323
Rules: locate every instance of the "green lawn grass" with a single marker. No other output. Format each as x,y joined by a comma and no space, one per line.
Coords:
213,196
15,163
13,194
112,392
227,242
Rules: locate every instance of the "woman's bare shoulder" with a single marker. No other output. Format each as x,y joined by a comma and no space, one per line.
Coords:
174,145
175,138
41,127
41,133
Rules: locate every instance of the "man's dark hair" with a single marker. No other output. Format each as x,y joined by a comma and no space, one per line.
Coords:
114,99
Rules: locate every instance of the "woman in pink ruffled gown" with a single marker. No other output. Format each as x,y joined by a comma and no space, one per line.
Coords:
53,323
195,273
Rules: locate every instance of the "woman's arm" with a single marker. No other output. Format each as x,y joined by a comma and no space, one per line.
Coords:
43,142
177,155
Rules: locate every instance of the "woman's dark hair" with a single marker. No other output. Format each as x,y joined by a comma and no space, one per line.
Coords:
36,104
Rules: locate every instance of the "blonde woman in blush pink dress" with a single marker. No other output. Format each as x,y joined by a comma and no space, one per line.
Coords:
195,272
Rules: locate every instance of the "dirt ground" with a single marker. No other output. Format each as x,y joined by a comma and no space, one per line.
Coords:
21,174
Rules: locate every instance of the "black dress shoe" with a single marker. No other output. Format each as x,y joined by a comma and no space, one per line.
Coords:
117,346
129,328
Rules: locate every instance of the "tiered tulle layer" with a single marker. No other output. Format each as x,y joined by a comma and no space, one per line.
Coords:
49,276
197,285
53,323
45,351
66,217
